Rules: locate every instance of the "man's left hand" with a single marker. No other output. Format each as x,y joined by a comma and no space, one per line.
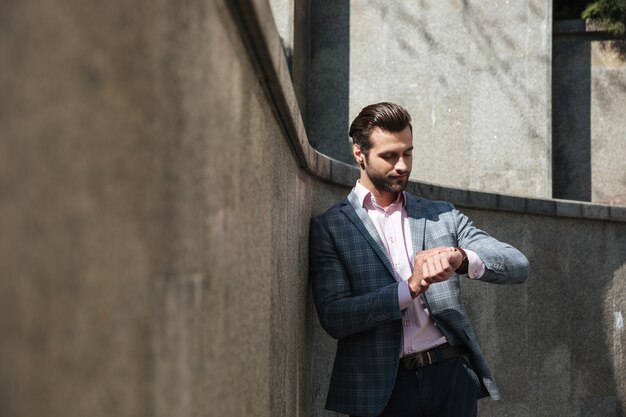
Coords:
441,265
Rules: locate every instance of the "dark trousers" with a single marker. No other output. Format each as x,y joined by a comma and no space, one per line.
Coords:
446,389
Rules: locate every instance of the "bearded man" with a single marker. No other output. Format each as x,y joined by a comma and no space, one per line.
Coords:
385,267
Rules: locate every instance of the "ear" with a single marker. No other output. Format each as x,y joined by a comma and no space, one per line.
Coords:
358,155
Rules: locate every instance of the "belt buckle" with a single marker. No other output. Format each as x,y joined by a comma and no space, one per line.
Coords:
424,359
419,360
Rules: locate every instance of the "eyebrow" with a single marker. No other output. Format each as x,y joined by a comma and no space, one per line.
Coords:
390,152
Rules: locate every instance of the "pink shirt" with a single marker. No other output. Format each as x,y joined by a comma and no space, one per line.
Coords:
419,332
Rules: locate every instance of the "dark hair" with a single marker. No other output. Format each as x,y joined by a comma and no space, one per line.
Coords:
389,117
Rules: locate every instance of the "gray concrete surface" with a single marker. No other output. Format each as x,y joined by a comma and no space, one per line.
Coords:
608,101
284,15
155,189
145,266
589,82
571,92
474,75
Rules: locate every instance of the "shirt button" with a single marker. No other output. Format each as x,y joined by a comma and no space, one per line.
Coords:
406,324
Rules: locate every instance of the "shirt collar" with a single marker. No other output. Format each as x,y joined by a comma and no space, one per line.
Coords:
362,193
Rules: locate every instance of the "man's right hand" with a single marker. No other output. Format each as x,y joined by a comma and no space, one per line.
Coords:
433,265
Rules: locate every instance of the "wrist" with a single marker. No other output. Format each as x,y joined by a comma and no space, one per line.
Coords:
414,293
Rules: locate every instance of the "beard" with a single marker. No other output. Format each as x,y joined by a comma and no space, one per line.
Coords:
384,183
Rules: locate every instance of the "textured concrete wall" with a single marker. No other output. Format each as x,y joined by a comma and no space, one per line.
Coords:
292,23
283,12
85,134
557,343
475,76
154,219
589,96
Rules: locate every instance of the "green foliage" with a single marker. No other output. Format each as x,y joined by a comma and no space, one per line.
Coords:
611,14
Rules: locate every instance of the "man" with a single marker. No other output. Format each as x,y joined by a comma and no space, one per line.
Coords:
385,267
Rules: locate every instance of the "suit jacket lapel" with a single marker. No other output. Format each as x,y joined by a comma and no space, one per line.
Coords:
358,215
417,223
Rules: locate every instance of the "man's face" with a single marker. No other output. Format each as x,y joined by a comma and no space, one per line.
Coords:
388,163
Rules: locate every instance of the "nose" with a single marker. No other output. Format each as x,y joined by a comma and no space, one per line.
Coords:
401,166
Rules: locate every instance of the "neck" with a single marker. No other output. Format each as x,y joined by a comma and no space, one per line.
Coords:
383,198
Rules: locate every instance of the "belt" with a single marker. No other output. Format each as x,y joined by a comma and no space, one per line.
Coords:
435,355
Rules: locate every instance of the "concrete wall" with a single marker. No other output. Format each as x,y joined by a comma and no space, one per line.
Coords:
589,96
155,189
146,189
475,76
292,23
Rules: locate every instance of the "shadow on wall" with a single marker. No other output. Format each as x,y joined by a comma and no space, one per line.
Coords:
571,117
329,84
487,38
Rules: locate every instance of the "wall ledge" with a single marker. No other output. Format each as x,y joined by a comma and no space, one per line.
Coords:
256,24
589,28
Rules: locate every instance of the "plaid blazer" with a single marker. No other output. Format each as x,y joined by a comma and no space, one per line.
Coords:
356,295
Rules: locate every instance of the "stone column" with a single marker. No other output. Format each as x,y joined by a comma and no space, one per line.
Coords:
474,75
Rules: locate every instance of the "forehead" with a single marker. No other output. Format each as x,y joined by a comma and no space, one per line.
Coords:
382,140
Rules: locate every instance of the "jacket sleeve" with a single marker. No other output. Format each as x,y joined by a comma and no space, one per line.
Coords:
503,263
339,311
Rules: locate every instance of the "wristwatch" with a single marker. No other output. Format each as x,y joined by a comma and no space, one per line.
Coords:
462,270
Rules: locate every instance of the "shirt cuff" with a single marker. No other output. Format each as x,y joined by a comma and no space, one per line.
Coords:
404,295
475,267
